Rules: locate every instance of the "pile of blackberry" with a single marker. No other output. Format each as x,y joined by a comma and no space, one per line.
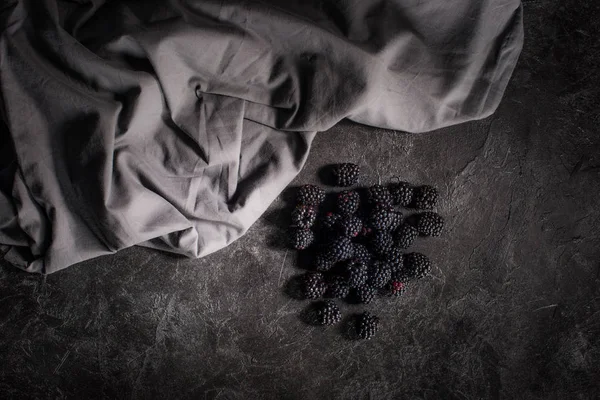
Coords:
358,248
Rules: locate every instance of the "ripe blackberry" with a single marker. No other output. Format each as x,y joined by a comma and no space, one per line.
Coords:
349,226
327,313
364,294
339,249
356,273
381,218
379,274
425,197
405,236
396,220
430,224
396,288
417,265
347,202
323,263
367,325
381,242
329,220
402,193
300,239
345,174
310,195
337,288
304,216
313,285
361,253
379,194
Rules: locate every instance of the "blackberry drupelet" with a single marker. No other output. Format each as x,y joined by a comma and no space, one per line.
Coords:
339,249
364,294
381,218
367,325
313,285
355,273
304,216
337,288
327,313
405,236
396,288
310,195
345,174
300,239
329,220
379,194
381,242
379,274
425,197
361,253
430,224
417,265
402,193
349,226
323,263
347,202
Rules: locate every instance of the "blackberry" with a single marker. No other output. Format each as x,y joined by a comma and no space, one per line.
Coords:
304,216
381,242
381,218
364,294
339,249
347,202
310,195
405,236
379,194
367,325
425,197
300,239
345,174
327,313
329,220
402,193
396,288
349,226
430,224
361,253
396,220
417,265
337,288
323,263
313,285
379,274
356,273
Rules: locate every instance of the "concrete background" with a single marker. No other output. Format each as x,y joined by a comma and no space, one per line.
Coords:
512,309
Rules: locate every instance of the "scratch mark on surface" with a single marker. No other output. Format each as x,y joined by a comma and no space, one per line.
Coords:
281,270
62,361
543,308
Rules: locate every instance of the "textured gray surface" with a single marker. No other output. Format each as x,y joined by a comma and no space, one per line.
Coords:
512,309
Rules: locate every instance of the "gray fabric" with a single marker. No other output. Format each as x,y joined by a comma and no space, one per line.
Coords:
174,124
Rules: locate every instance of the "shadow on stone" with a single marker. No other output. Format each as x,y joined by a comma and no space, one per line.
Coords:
347,327
293,288
325,174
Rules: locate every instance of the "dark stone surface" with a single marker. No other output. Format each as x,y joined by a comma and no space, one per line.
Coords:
512,309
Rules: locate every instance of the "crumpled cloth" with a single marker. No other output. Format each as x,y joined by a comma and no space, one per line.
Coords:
174,124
